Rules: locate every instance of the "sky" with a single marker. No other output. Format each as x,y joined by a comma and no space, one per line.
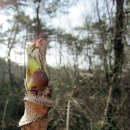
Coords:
76,15
68,22
73,19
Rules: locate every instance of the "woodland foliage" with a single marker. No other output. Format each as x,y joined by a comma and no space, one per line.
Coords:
91,85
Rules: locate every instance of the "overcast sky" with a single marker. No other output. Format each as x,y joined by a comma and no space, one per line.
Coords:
73,19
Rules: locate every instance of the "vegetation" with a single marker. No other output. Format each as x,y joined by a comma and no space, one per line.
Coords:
91,85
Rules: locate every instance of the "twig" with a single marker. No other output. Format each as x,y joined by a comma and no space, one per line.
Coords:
4,113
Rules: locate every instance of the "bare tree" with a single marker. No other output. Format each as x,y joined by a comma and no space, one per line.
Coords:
114,98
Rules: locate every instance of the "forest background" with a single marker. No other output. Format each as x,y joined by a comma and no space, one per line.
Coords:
88,61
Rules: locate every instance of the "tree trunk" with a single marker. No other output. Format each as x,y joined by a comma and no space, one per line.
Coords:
68,115
112,118
38,22
4,114
103,35
11,42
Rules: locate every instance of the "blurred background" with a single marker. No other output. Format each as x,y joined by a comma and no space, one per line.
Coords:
88,61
